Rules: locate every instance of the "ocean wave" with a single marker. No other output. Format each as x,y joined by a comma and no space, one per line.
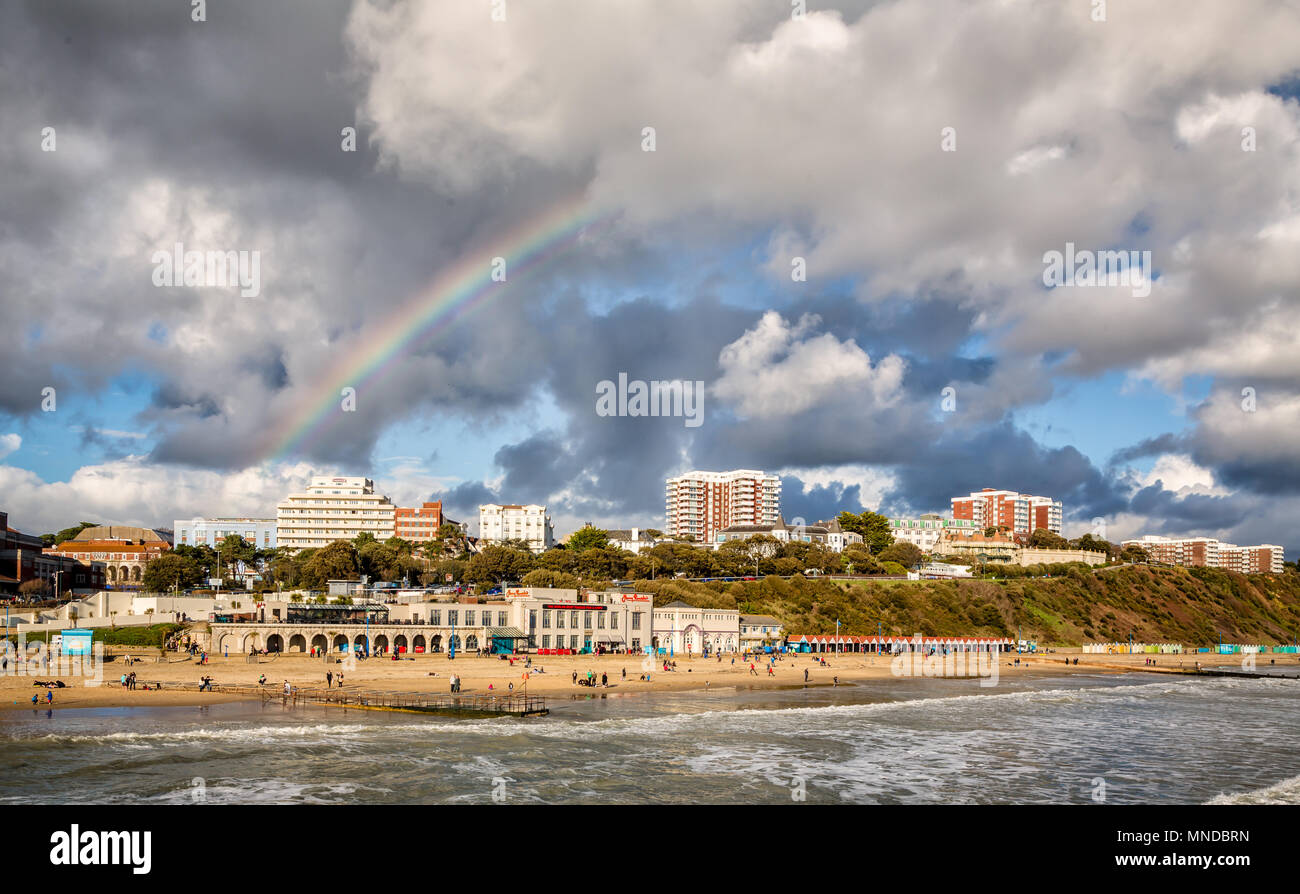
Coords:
1285,792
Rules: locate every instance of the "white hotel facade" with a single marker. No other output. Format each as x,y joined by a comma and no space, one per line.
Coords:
333,509
513,521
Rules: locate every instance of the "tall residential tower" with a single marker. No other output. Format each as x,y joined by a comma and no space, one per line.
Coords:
700,504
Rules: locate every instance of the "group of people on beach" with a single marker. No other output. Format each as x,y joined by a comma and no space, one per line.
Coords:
330,677
589,679
455,682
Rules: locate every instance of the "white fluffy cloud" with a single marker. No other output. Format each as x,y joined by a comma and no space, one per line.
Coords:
778,369
132,491
9,443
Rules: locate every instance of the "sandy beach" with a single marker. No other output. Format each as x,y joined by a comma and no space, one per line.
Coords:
550,676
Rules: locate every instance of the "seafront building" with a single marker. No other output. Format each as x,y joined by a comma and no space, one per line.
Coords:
700,504
199,531
23,558
757,631
543,620
498,522
926,531
333,508
124,550
420,524
1021,514
684,629
1265,558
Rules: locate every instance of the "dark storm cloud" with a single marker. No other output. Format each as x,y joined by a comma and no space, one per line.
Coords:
818,502
1001,457
232,126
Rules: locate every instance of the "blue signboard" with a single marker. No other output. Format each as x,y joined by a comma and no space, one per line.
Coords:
76,642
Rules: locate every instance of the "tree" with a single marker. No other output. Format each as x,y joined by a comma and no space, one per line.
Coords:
169,571
67,533
857,559
335,561
1042,538
34,589
1135,554
873,527
544,577
1093,544
497,563
232,550
904,553
588,538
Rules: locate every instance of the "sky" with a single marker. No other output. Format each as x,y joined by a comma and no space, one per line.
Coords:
835,226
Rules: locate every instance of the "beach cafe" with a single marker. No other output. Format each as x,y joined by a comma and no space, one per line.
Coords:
893,645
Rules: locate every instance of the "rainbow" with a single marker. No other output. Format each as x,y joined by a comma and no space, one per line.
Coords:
456,291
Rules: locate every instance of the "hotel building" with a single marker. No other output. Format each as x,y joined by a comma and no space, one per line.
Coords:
1021,514
333,509
256,532
1209,552
927,530
513,521
700,504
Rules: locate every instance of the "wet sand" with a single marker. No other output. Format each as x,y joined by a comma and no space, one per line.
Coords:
549,675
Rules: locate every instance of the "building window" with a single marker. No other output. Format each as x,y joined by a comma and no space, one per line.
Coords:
636,620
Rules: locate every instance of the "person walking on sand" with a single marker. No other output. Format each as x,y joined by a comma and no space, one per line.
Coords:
625,675
604,681
575,678
329,679
772,673
49,697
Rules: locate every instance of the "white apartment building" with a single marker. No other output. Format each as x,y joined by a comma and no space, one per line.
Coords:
1265,558
258,532
927,530
700,504
514,521
333,509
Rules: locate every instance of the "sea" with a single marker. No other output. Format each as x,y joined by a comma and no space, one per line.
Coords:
1078,739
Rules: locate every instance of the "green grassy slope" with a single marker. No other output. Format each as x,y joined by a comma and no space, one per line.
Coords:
1188,605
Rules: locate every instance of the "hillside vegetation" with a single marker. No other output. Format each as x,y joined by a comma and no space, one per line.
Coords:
1188,605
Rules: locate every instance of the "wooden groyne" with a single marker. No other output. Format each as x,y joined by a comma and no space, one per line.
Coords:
451,704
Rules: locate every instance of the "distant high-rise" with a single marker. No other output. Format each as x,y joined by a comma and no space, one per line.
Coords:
700,504
1264,558
1021,514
